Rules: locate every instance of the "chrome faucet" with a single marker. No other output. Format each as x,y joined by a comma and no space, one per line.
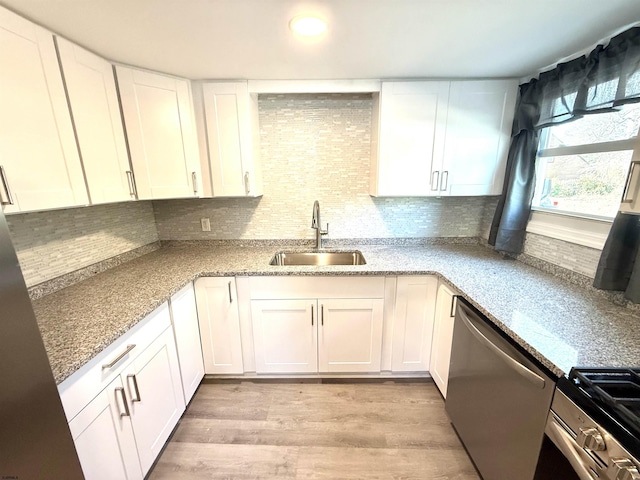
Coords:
315,223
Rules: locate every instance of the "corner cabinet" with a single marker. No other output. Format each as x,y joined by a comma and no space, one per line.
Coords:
159,122
95,109
39,162
227,118
184,318
219,325
442,337
441,138
413,323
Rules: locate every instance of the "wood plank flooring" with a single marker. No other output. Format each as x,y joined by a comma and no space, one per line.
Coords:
315,431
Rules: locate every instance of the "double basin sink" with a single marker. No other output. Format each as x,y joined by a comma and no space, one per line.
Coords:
353,257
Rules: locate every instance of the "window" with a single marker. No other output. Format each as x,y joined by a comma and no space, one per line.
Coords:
582,165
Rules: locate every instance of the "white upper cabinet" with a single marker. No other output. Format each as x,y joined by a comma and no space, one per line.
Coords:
158,118
441,138
39,159
95,109
479,120
409,132
228,120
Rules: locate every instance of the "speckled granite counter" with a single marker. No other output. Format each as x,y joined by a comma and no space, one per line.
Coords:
562,325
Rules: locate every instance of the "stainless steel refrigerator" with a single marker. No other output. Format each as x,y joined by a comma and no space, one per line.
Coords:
35,441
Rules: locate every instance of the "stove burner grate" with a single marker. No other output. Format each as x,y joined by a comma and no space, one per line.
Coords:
617,388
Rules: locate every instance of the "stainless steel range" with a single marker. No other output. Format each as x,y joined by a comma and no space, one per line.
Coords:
595,424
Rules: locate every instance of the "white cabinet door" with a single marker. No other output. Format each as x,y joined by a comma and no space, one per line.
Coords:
350,335
104,437
96,114
186,329
158,117
285,335
480,116
219,325
232,133
413,323
38,153
157,402
442,337
412,120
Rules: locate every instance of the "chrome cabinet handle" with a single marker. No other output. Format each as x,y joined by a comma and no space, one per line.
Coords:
531,376
230,297
132,184
247,187
434,183
7,190
625,193
322,315
135,387
312,314
444,179
119,357
195,183
452,310
565,443
126,413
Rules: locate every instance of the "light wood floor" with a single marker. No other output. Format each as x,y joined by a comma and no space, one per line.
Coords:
315,431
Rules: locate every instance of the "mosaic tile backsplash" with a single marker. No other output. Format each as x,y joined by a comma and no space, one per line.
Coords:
53,243
576,258
317,147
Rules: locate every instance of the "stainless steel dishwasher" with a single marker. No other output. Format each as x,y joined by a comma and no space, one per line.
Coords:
497,399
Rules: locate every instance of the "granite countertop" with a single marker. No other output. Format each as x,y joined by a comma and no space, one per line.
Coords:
560,324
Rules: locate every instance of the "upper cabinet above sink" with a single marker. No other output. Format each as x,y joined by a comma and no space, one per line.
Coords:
228,130
441,138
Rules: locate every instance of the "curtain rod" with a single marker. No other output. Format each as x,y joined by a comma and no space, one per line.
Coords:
573,56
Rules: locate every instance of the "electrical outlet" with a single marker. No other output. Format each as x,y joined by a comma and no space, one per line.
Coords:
206,225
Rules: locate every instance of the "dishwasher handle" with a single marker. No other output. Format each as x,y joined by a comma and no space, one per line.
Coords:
531,376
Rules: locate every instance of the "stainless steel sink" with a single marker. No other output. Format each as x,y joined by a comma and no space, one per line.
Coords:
318,258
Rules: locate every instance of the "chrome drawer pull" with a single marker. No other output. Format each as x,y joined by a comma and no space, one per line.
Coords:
126,413
135,387
230,297
5,184
195,183
119,357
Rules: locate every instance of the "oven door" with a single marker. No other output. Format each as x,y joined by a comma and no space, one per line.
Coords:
562,457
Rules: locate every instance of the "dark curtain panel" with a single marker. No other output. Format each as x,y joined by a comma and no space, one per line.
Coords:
607,78
511,216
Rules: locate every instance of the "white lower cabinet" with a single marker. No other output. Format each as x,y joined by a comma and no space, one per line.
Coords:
104,438
219,325
350,335
123,404
317,324
155,392
413,323
186,329
442,337
285,335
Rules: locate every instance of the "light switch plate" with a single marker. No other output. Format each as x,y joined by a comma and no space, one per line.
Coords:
206,225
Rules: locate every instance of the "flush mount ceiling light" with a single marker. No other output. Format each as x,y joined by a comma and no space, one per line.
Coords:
308,25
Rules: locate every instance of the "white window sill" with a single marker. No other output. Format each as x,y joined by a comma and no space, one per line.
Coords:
589,232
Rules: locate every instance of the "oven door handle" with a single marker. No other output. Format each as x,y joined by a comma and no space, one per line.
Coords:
569,448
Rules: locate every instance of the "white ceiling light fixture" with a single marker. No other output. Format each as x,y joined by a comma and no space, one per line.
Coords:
308,25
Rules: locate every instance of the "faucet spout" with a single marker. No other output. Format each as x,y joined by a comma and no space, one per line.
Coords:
315,223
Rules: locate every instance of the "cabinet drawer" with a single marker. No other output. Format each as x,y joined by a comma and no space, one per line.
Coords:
266,288
81,387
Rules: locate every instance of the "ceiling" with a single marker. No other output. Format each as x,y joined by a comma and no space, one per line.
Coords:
250,39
